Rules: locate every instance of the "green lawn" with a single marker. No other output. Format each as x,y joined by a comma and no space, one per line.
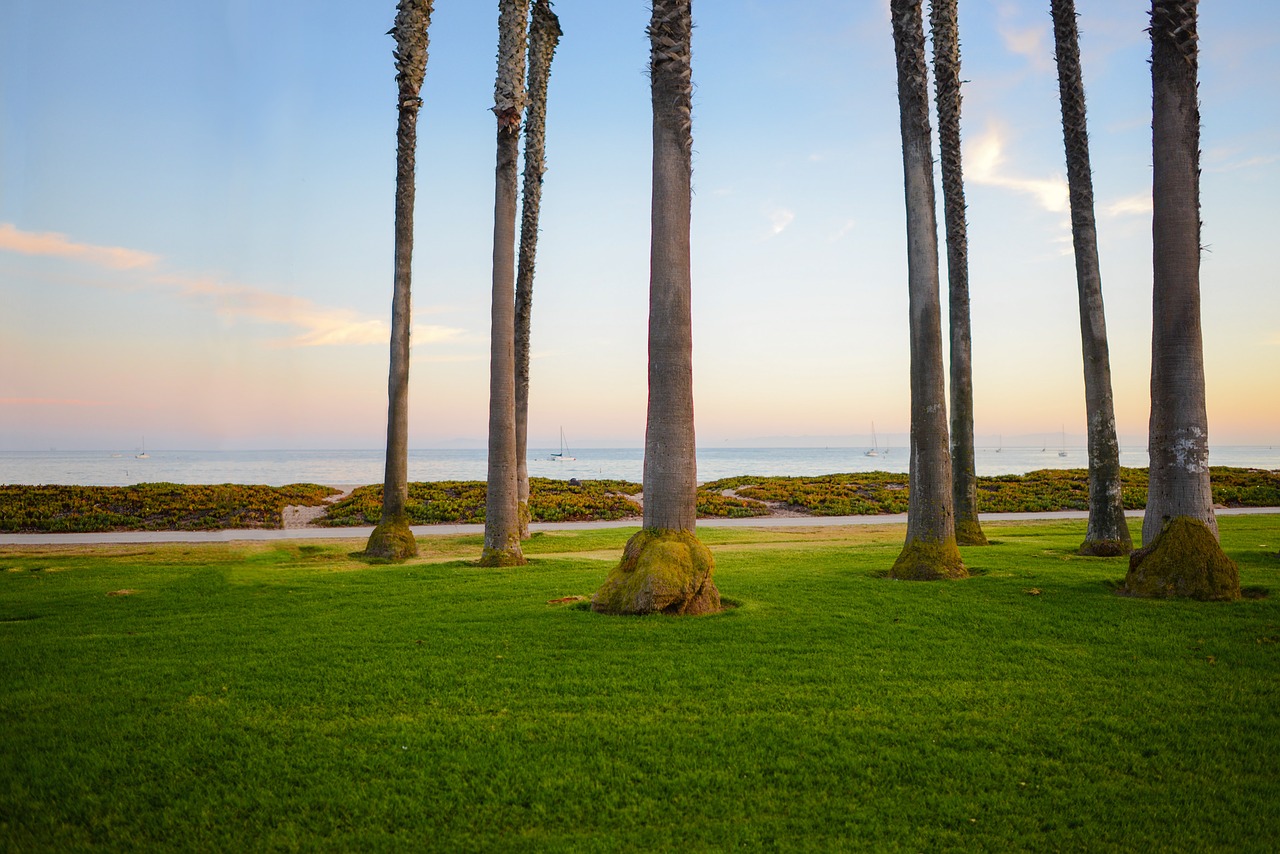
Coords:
284,696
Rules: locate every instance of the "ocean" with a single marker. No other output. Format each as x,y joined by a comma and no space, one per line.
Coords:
343,468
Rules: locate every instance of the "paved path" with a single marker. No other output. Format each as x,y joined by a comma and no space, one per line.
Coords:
446,530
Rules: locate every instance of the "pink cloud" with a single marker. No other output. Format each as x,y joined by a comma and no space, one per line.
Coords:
317,325
13,239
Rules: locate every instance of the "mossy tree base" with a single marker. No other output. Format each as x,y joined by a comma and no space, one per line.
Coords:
1105,548
392,540
661,572
511,556
969,533
1184,562
921,561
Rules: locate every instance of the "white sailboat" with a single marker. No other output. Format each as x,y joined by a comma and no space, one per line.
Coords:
143,455
1063,452
563,456
875,443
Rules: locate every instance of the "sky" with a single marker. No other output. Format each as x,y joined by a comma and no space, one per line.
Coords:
196,224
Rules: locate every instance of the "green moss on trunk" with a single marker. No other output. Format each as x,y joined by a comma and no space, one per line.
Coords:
510,554
969,533
921,561
1104,548
661,571
525,516
392,539
1184,561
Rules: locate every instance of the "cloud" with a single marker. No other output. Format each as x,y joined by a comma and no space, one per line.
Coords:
1030,42
847,226
984,163
1139,204
58,245
322,326
317,325
779,220
1246,163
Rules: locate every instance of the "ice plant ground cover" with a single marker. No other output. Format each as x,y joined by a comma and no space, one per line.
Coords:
170,506
284,695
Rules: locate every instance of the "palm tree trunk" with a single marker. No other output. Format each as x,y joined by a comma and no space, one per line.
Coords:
670,459
1180,554
665,568
544,34
1108,533
502,513
392,538
1179,434
930,551
946,72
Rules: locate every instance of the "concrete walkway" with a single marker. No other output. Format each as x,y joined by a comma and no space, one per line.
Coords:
362,533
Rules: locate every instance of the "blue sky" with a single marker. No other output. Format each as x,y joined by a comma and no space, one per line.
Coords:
196,223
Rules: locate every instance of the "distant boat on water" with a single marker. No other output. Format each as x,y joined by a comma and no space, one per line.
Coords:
1063,452
143,455
875,443
563,456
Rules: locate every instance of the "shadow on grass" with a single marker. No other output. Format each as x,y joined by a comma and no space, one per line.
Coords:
1254,592
583,603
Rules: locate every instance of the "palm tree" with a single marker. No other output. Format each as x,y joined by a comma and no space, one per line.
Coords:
502,513
930,551
1107,534
946,72
665,568
544,34
1180,555
392,538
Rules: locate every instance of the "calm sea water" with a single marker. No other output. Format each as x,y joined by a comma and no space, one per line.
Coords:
275,468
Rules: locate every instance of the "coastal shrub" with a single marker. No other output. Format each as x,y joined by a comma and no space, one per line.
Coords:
712,504
187,507
866,493
463,502
151,506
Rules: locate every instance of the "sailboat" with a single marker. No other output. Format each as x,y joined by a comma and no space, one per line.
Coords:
563,456
143,455
1063,452
875,443
999,443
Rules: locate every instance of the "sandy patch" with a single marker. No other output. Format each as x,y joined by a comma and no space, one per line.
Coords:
301,516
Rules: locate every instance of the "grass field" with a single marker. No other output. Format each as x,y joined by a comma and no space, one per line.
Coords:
287,696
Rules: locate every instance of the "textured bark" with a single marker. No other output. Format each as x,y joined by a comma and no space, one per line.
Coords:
1179,433
670,462
502,509
544,34
930,550
946,72
1107,533
392,537
664,568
